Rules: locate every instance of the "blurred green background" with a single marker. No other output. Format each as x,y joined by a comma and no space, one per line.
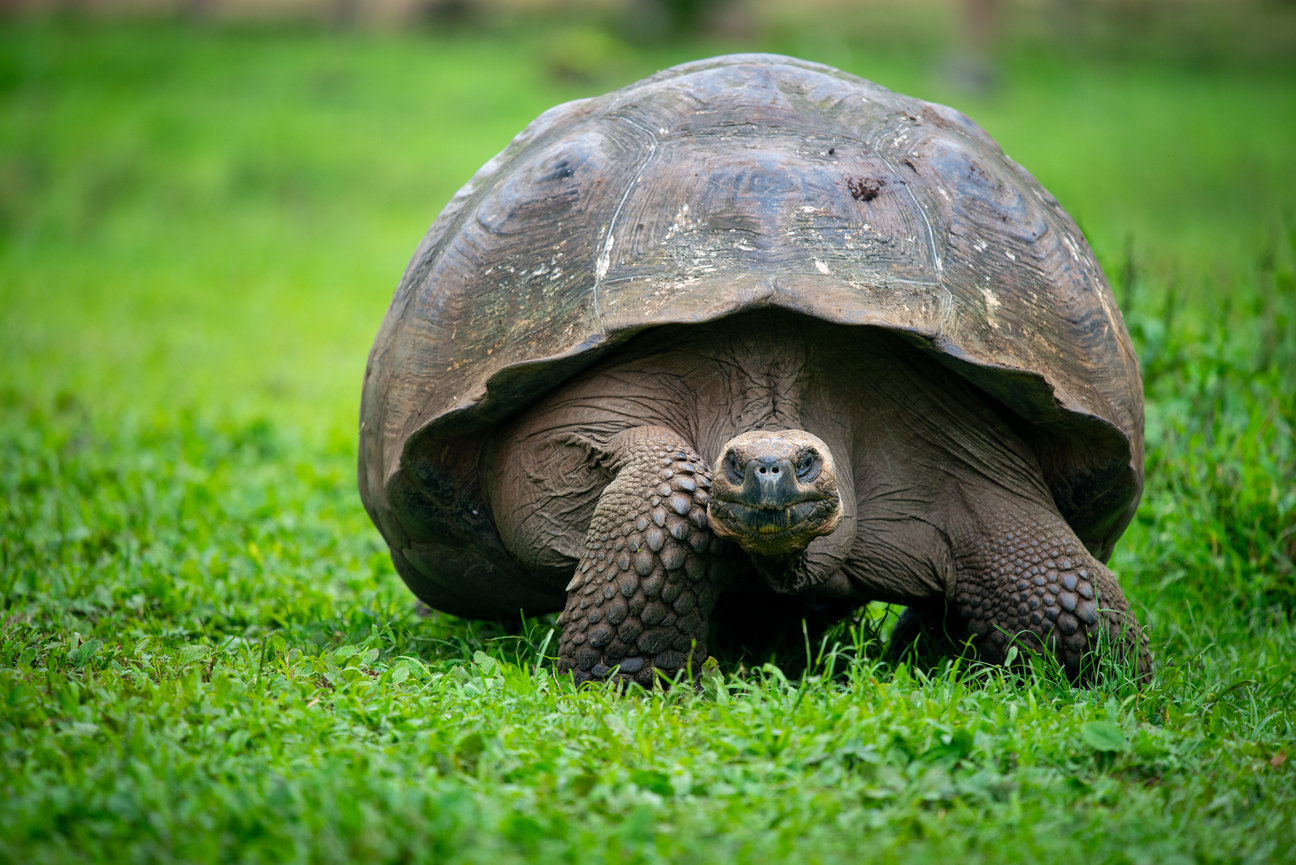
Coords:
205,655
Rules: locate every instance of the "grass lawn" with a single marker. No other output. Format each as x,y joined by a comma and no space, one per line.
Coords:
205,655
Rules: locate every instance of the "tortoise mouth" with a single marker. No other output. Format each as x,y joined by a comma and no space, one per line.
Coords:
771,530
772,520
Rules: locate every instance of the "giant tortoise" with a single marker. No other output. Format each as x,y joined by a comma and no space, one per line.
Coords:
756,334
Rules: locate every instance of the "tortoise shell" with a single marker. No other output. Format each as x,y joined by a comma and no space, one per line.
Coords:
727,185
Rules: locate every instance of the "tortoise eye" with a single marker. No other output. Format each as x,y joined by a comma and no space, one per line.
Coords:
732,468
808,464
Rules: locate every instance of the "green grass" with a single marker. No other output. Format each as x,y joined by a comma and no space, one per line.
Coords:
205,655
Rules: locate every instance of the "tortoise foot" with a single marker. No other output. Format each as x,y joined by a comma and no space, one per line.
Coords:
1031,582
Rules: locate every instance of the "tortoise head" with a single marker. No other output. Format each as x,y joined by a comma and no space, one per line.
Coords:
774,491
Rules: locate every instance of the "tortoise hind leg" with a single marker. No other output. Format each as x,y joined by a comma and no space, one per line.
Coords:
1021,573
651,569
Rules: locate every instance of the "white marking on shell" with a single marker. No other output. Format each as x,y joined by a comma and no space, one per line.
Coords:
821,267
992,303
1009,253
604,260
1071,247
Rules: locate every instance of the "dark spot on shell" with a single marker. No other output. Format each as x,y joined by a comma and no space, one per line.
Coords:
561,170
599,637
632,665
655,538
864,188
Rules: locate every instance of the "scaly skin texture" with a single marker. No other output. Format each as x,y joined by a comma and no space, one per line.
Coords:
651,570
1024,575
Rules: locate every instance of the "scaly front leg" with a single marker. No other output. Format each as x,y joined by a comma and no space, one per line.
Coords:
652,568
